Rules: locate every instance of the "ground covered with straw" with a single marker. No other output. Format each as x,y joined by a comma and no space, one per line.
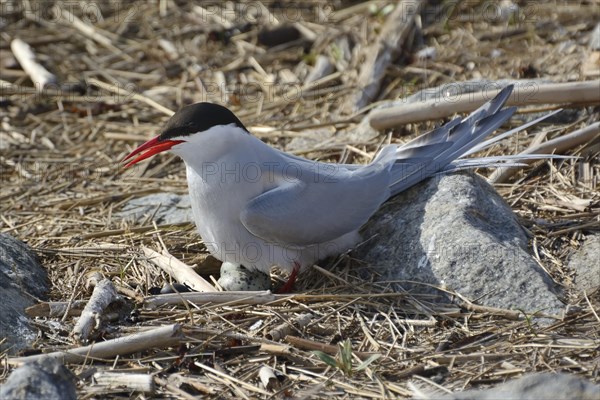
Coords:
62,186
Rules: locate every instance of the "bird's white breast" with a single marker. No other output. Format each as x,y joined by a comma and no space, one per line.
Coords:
226,171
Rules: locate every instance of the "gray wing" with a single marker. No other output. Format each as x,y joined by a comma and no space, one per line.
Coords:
317,206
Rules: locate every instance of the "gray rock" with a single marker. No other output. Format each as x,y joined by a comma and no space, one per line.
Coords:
20,264
22,279
535,387
455,230
586,264
45,379
236,277
166,208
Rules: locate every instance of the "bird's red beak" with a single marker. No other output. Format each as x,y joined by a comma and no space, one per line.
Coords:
151,147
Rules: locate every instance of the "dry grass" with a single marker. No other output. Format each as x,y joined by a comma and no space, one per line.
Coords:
62,185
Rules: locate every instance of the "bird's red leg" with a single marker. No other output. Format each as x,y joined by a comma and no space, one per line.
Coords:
289,285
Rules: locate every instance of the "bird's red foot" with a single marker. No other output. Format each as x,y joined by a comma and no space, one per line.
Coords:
289,285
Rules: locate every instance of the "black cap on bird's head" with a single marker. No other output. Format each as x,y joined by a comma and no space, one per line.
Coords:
196,118
189,120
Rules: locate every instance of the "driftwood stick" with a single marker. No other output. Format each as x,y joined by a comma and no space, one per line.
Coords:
306,344
130,293
508,314
56,309
181,272
253,297
128,94
24,54
557,145
281,331
553,93
104,293
169,49
164,336
173,389
231,379
112,381
392,40
232,297
268,378
277,349
176,380
462,358
87,29
138,229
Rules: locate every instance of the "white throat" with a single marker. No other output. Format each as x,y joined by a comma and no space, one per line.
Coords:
210,145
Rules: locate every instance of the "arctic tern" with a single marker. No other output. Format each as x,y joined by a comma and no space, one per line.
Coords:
260,207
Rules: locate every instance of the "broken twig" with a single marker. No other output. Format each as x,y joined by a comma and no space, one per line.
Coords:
554,93
104,293
39,75
164,336
557,145
392,40
181,272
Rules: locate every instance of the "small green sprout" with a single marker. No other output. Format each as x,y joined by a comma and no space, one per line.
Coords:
343,360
